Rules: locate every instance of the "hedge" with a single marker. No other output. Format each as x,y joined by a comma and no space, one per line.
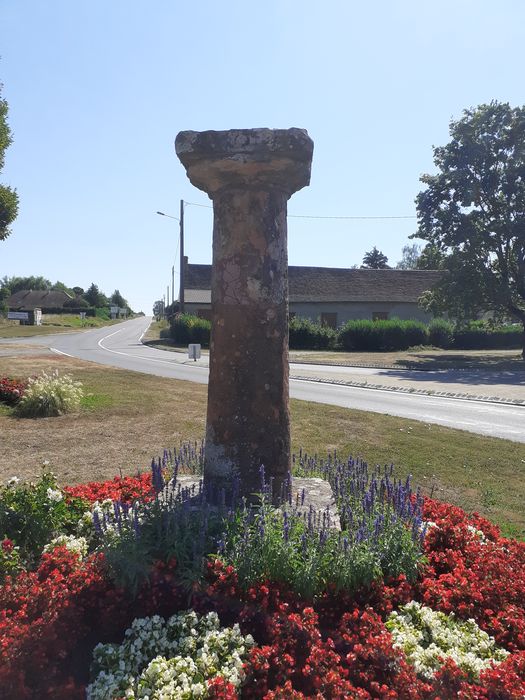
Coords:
381,336
370,336
186,329
306,335
479,337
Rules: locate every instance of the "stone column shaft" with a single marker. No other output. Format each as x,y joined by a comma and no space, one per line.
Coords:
249,175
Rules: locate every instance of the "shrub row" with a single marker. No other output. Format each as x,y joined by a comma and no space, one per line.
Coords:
187,329
374,336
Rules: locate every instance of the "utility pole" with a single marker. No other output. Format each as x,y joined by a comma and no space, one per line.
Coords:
181,224
168,295
181,227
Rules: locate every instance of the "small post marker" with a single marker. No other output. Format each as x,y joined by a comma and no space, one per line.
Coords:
194,351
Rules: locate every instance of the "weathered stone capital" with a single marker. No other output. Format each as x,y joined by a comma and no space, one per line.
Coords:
246,158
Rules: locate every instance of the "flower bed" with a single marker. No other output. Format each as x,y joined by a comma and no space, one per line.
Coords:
11,390
449,623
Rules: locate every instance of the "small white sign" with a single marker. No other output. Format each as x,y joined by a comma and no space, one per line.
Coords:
194,351
18,315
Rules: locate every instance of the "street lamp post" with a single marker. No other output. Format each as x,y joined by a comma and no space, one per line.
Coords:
181,247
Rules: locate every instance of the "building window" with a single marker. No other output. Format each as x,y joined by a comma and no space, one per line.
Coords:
379,315
329,319
204,313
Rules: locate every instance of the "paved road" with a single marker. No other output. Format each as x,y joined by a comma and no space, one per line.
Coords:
120,346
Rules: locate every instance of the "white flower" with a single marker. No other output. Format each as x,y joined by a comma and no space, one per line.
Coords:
54,495
13,481
428,637
176,658
78,545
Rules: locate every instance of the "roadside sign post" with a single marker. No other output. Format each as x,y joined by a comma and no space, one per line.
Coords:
194,351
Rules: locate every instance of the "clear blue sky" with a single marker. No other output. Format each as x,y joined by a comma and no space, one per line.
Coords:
98,90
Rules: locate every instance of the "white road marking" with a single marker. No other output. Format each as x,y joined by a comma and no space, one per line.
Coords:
60,352
142,357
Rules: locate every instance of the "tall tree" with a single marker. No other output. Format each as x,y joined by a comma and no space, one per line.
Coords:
8,196
473,213
376,260
95,297
410,257
117,299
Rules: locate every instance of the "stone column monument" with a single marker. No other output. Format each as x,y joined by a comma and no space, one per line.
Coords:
249,174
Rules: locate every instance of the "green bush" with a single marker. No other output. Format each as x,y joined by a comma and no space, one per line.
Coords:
441,333
479,336
103,313
382,336
306,335
186,329
49,395
31,514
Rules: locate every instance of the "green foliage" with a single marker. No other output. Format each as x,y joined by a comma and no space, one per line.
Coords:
304,334
102,313
118,300
8,196
17,284
410,257
375,260
95,297
31,514
164,528
472,214
49,395
4,296
441,333
382,336
479,336
186,329
263,543
76,303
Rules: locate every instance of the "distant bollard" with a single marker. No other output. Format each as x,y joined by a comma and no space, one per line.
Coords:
194,351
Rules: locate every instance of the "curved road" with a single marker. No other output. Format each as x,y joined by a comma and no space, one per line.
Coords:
120,346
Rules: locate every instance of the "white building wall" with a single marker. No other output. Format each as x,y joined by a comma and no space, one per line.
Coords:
347,311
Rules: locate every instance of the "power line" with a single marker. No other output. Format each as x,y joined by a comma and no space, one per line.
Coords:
306,216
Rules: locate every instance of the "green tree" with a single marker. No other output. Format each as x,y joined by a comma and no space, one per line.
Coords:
5,293
430,258
95,297
117,299
16,284
473,213
410,257
375,260
8,196
61,287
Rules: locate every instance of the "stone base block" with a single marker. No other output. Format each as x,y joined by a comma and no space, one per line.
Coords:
306,492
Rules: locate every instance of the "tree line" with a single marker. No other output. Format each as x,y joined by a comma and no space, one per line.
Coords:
91,297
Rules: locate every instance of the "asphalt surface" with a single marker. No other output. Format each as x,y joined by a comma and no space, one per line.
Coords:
121,346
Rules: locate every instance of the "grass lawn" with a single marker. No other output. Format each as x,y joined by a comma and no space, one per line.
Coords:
127,418
416,358
51,323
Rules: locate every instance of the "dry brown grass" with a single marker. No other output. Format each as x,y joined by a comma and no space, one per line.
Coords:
128,419
131,417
